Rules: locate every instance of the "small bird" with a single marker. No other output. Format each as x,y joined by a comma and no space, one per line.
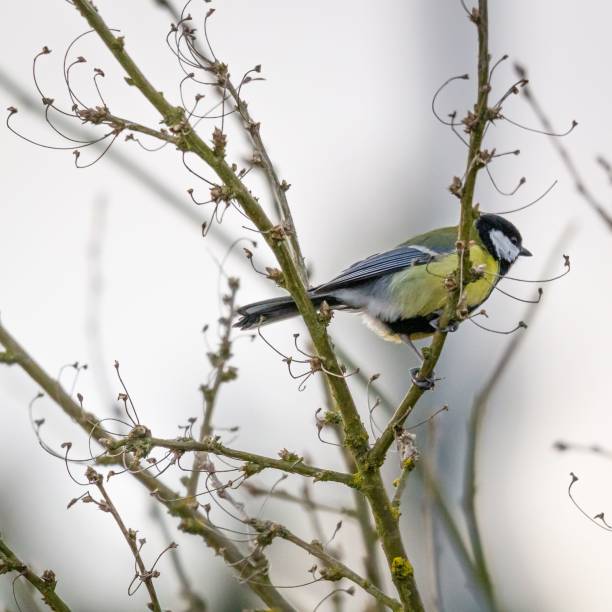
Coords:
401,292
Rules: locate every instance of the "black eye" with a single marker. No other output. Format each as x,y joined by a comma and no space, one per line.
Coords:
514,240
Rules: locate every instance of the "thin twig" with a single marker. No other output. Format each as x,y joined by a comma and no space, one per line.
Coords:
579,183
129,535
400,485
253,129
194,602
222,373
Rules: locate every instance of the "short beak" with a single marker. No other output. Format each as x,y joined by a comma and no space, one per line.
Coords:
525,252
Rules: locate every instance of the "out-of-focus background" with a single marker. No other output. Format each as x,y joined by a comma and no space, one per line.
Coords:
109,263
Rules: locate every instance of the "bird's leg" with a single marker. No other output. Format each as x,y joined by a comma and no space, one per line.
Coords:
423,383
409,341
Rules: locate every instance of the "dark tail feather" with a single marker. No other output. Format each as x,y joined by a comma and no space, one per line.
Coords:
270,311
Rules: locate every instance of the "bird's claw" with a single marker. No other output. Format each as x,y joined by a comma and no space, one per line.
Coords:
450,328
422,383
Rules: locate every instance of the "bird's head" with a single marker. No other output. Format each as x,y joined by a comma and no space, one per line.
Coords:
501,239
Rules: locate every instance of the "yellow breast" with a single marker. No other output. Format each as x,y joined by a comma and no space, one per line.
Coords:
420,291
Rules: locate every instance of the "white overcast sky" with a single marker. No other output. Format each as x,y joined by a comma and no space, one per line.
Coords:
345,109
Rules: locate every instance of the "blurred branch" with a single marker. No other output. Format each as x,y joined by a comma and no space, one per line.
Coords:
191,521
142,574
362,511
430,522
595,449
195,603
257,491
319,533
475,427
222,373
45,584
451,528
570,165
334,570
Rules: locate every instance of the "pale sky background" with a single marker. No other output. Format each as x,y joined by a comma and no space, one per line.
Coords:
345,111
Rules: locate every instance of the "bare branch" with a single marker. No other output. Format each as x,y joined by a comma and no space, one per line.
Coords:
44,584
570,165
146,576
334,570
191,520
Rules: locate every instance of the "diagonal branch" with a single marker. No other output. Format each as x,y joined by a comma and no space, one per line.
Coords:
130,537
579,183
45,584
334,570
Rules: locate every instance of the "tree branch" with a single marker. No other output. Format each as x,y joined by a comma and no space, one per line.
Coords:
129,535
334,570
191,520
222,374
579,184
253,129
355,434
453,309
195,603
255,462
45,584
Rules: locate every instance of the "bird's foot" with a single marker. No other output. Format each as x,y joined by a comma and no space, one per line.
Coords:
422,383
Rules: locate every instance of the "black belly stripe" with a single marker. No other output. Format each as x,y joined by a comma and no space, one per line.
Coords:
415,325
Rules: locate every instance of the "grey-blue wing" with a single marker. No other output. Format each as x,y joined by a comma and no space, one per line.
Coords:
377,266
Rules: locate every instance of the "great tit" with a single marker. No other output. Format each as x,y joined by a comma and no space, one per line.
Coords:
401,292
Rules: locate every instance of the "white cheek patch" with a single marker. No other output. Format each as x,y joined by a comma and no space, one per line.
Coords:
503,245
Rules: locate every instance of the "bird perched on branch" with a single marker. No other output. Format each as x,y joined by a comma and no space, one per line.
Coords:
402,292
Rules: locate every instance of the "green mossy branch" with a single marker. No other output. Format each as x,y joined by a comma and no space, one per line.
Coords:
334,570
44,584
213,446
